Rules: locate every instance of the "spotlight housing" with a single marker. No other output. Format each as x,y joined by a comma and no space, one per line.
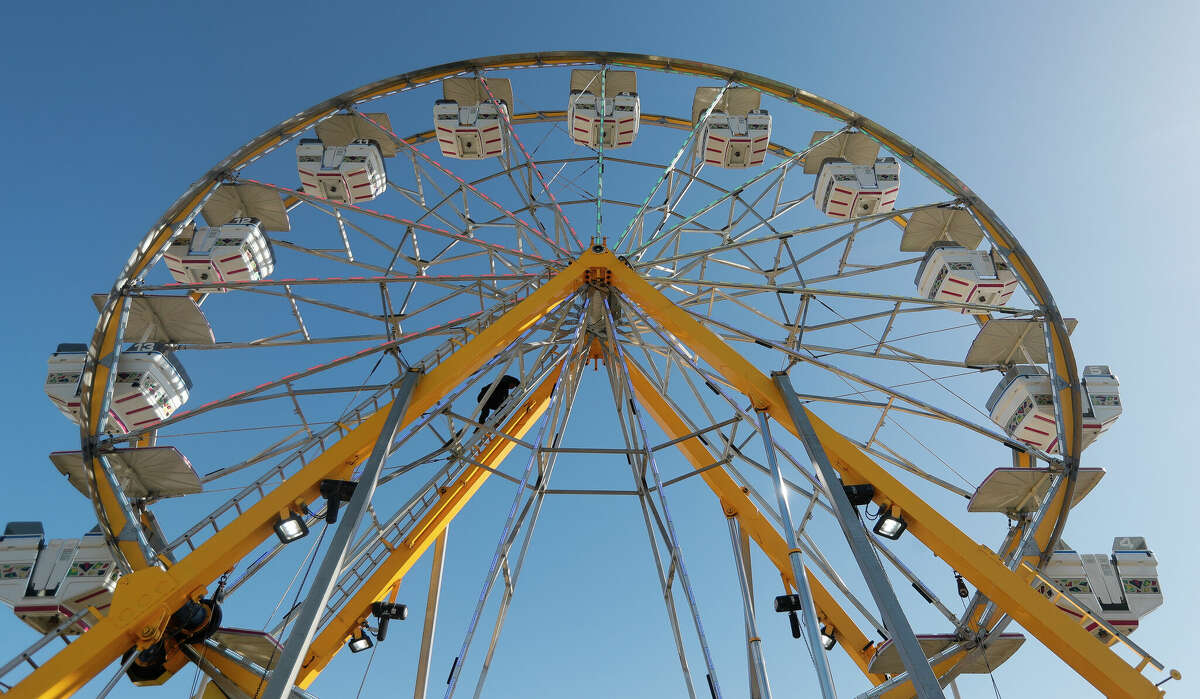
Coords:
889,526
860,494
790,604
787,603
291,528
360,643
335,493
385,612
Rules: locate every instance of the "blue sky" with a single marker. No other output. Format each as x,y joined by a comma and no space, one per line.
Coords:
1074,121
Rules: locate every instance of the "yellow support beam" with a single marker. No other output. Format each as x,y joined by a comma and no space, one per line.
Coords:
144,599
1105,670
736,503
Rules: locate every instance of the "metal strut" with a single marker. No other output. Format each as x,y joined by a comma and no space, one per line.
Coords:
808,611
431,610
665,575
296,647
532,510
509,531
913,657
759,687
673,538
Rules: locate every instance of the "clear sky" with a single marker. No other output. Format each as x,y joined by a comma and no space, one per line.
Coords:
1074,121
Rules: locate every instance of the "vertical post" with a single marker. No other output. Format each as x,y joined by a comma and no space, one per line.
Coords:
808,610
760,688
911,655
431,610
294,650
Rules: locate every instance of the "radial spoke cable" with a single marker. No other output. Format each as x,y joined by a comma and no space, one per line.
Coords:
637,216
533,165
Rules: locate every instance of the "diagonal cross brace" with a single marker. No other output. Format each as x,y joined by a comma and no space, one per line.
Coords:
911,654
305,626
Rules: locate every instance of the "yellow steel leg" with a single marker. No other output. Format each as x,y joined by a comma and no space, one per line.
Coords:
1011,592
144,599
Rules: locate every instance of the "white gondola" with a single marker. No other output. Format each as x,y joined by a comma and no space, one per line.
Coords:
1120,588
151,384
1022,404
468,122
845,190
613,120
46,583
953,273
238,251
350,174
737,134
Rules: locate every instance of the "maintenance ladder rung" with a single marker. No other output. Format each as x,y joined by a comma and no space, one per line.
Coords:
382,547
296,461
26,656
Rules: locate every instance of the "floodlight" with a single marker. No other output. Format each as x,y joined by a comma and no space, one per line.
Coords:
890,526
291,528
828,637
359,643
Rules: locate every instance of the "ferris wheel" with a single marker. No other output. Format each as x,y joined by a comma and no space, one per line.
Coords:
682,279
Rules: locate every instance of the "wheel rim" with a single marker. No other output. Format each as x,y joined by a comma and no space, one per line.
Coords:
528,266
